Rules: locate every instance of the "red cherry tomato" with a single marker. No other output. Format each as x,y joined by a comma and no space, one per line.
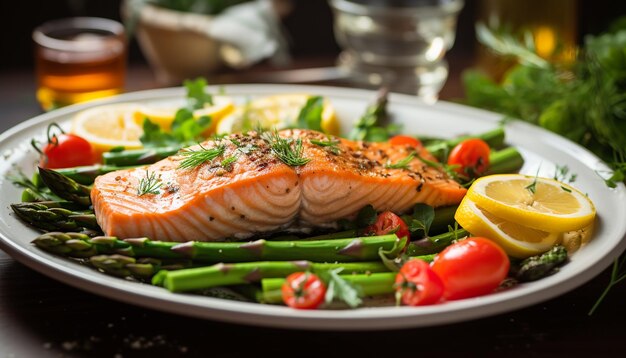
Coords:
303,290
405,140
65,151
472,267
417,284
387,223
471,156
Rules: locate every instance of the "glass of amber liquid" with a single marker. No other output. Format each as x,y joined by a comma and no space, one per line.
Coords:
79,59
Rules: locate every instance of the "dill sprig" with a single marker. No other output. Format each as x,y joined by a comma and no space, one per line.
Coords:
227,163
149,185
402,163
330,144
194,158
532,187
618,274
287,150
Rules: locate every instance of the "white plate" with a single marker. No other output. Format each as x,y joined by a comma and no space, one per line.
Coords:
540,149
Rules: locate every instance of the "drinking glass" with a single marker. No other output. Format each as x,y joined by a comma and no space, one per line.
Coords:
79,59
400,44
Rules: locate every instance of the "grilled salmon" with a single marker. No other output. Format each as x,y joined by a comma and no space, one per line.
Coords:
244,184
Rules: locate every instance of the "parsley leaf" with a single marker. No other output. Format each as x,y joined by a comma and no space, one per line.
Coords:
196,95
339,288
421,219
310,116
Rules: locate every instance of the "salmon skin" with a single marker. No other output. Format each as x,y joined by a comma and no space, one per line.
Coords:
246,188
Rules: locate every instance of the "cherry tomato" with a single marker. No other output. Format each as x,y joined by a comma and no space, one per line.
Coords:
417,284
405,140
65,151
471,156
303,290
472,267
387,223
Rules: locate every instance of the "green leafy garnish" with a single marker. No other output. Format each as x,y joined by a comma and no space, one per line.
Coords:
618,274
561,173
340,289
149,185
330,144
197,97
421,219
194,158
402,163
532,187
373,126
287,150
366,216
227,163
310,116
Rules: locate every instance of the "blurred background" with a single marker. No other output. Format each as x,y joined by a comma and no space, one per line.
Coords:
307,26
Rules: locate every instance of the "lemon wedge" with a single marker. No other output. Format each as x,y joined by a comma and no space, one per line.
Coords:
539,203
108,126
163,114
277,111
517,240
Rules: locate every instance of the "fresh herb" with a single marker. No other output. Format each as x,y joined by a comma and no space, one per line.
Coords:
227,163
561,173
149,185
197,97
448,169
373,126
287,150
618,274
366,216
402,163
583,101
194,158
310,116
330,144
186,129
566,189
340,289
421,219
532,187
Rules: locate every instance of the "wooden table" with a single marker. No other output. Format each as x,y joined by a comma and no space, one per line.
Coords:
40,317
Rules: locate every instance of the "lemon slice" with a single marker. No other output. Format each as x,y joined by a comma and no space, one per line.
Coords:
553,206
277,111
517,240
108,126
163,114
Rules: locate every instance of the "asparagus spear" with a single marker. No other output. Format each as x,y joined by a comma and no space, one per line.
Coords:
507,160
247,272
84,175
65,187
341,250
138,156
495,139
536,267
56,215
142,268
434,244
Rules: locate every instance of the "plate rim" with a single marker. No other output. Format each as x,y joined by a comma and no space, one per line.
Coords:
266,315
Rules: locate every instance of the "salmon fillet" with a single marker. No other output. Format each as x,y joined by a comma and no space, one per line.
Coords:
246,189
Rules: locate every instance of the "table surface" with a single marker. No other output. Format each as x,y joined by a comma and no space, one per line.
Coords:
40,317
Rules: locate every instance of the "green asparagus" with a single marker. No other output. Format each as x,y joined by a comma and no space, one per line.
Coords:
56,215
142,268
134,157
65,187
434,244
84,175
440,149
341,250
536,267
247,272
507,160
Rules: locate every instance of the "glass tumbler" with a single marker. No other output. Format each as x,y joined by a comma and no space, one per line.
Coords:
79,59
400,44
